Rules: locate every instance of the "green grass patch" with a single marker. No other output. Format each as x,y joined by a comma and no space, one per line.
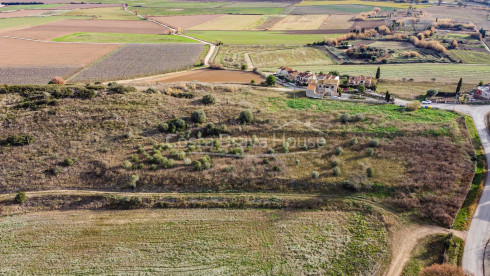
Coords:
463,219
431,250
123,38
359,2
258,37
472,57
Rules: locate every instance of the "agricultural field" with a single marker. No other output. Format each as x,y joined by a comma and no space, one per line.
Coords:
442,73
230,22
471,57
258,37
138,60
209,76
199,8
20,13
291,57
194,241
332,9
35,75
123,38
61,28
478,16
414,90
50,54
111,13
300,22
395,45
379,4
186,21
22,22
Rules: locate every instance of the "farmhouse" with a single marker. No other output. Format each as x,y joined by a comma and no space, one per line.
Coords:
320,86
358,80
284,71
483,92
303,78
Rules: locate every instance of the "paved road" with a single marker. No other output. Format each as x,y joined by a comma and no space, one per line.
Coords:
479,232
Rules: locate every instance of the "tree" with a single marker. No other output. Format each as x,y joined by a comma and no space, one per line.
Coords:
21,197
460,83
198,116
483,33
208,100
431,93
271,80
481,83
387,96
244,67
378,73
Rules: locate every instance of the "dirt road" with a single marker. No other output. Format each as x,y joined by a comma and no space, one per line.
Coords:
406,240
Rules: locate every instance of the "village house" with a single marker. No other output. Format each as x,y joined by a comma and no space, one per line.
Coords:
483,92
303,78
358,80
284,71
320,86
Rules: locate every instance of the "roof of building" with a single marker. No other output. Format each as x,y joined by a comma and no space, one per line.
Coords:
360,78
311,87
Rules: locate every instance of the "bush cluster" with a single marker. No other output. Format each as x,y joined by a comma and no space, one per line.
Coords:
18,140
20,198
246,117
208,100
198,116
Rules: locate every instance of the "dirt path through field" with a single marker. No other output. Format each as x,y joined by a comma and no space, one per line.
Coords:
249,61
405,241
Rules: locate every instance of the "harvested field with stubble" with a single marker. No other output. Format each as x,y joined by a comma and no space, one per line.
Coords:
60,28
35,75
20,13
138,60
18,52
300,22
291,57
185,21
230,23
194,241
208,75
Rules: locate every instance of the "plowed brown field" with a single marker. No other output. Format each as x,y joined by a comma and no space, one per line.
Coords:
208,75
17,52
186,21
65,27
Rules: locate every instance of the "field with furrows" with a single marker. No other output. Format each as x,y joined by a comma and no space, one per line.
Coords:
35,75
136,60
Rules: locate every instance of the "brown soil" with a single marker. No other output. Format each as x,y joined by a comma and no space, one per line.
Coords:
185,21
20,13
85,6
209,75
60,28
17,52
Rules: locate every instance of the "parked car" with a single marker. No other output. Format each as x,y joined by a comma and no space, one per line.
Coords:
335,98
426,102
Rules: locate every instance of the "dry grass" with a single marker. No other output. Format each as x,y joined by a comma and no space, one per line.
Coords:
229,23
300,22
194,241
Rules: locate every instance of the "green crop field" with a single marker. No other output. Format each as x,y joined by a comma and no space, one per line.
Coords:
445,73
204,9
123,38
472,57
112,13
194,241
32,21
258,37
290,57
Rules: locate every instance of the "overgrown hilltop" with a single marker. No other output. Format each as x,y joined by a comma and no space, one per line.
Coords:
244,139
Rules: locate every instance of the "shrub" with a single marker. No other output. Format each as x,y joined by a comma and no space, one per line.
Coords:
197,165
369,151
413,106
432,93
127,164
276,168
296,161
370,172
187,161
198,116
336,171
176,125
344,118
20,198
442,270
374,143
84,93
358,117
208,100
57,80
133,180
244,67
19,140
353,141
151,90
121,89
315,174
339,151
335,163
210,129
67,162
180,155
265,161
285,147
321,142
246,117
